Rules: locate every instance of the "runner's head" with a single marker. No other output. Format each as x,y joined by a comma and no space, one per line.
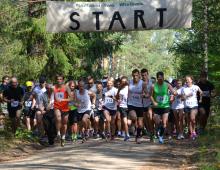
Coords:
110,82
60,79
136,75
72,85
203,76
5,80
189,80
144,74
14,82
99,87
178,83
124,81
117,83
42,81
90,81
29,85
160,77
81,85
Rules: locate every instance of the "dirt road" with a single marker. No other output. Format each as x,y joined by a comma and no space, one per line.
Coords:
102,155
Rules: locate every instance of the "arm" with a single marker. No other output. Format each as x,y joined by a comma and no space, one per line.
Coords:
151,97
172,90
200,95
93,96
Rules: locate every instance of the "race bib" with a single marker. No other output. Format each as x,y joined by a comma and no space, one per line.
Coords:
161,99
60,95
14,104
109,100
27,103
136,97
189,103
206,94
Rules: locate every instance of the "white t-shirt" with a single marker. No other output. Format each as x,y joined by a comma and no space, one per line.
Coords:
109,102
178,103
191,101
39,92
135,94
147,100
123,103
85,102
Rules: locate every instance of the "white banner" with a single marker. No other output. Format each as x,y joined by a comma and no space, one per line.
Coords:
118,16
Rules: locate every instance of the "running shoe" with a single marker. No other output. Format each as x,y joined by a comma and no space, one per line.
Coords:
138,140
179,137
126,138
74,137
161,140
62,142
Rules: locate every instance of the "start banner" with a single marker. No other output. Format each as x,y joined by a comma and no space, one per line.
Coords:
118,16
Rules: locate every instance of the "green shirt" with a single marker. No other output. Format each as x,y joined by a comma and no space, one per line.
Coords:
161,95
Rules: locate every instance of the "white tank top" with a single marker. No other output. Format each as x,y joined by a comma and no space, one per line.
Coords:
191,101
123,97
147,100
135,94
178,102
84,99
109,102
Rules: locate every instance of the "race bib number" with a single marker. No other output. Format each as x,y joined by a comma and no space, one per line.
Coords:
14,104
189,103
206,94
60,95
27,103
136,97
109,100
160,99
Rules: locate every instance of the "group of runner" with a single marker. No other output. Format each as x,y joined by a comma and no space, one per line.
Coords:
140,106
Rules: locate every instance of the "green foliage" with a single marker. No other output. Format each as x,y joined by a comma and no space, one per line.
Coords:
189,44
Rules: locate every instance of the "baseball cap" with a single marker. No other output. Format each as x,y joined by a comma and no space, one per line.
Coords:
29,83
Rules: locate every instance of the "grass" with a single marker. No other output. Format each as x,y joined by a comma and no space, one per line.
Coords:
209,152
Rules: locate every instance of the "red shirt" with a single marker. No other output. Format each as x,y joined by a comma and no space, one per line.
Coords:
61,93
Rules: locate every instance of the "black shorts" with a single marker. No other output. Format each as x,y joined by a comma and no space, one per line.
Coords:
28,112
146,109
123,112
139,110
80,115
161,111
188,110
206,107
72,117
111,112
12,111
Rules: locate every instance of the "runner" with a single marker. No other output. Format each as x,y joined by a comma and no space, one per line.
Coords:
39,96
204,107
84,108
98,112
120,133
161,102
191,104
3,105
62,96
13,95
73,111
135,104
110,107
122,97
148,113
177,107
29,107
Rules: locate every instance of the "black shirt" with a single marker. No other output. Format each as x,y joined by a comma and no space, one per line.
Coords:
206,88
14,93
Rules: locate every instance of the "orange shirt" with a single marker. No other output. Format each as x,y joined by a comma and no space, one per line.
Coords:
61,93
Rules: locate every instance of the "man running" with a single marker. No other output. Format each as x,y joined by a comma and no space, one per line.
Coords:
135,104
84,107
204,107
13,95
62,96
148,113
161,102
29,106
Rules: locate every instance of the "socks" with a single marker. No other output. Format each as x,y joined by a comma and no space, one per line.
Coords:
139,132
